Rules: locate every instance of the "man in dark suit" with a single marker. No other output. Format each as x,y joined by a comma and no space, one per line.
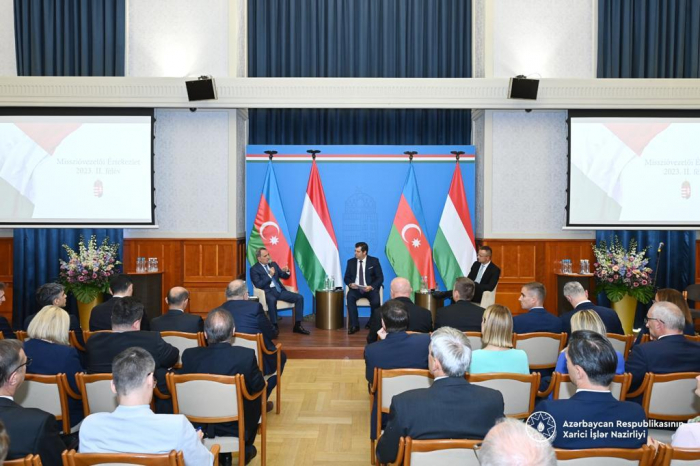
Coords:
395,350
102,347
451,409
669,351
250,318
53,294
591,361
537,319
176,319
364,277
266,275
5,326
578,297
120,286
31,430
484,273
221,358
462,314
419,318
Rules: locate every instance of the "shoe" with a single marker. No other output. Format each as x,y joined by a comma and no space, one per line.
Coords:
367,325
225,459
250,453
299,329
269,406
352,330
279,318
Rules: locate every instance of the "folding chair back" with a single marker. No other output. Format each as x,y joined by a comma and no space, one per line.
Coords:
518,390
47,393
565,389
97,393
605,456
542,348
431,452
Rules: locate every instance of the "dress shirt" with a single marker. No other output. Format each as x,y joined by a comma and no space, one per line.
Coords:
364,271
482,269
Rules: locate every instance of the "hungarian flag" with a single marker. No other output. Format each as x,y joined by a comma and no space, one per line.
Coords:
408,246
315,247
270,229
455,249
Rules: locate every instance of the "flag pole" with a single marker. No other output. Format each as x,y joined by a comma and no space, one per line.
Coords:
457,153
313,153
270,153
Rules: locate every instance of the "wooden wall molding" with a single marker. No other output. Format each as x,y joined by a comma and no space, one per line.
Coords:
6,265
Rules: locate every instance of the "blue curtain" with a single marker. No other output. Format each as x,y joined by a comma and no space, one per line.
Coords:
61,38
652,39
359,38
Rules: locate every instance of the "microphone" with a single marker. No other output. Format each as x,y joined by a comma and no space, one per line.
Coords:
661,246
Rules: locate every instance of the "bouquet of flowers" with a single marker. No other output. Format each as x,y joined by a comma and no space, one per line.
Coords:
86,273
620,271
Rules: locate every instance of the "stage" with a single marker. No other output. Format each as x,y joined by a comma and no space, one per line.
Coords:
322,344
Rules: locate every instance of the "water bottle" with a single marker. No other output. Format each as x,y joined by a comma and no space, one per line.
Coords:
423,284
331,283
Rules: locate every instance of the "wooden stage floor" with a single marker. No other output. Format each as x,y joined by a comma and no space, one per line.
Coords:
322,344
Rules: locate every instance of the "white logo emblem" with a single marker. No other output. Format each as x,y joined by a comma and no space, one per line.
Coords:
543,423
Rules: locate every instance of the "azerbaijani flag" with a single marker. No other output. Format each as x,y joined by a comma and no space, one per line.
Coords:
270,229
408,246
316,247
455,249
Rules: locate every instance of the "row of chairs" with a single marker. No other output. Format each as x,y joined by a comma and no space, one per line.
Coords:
73,458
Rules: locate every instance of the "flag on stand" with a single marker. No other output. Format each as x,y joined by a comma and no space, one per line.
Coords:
454,246
408,246
316,247
270,229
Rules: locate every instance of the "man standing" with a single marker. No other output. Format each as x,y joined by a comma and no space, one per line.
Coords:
176,319
364,277
120,286
484,273
266,275
462,314
578,297
451,408
537,319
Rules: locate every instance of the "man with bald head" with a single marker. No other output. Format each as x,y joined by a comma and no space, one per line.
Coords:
176,319
419,318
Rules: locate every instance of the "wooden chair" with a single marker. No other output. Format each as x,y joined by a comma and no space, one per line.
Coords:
518,390
604,456
257,344
565,389
281,305
207,398
431,452
48,393
646,338
96,393
362,302
542,348
474,340
182,341
87,334
669,455
72,458
29,460
621,343
74,340
387,384
21,335
488,298
399,454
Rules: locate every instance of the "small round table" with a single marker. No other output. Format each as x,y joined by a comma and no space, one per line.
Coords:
329,309
430,302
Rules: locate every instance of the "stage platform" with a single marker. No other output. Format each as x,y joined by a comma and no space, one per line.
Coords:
322,344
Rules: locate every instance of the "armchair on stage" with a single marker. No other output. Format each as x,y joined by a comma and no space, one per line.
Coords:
281,305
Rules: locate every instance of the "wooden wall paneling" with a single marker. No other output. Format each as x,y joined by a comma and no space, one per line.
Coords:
210,261
169,255
205,298
240,257
6,266
518,262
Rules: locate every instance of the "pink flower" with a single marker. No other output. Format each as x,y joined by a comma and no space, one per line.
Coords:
636,284
94,275
644,282
610,280
616,268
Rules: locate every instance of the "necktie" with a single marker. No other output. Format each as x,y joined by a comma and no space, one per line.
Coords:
362,275
274,282
480,275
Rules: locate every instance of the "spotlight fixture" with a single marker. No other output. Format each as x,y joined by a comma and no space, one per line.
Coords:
201,89
521,87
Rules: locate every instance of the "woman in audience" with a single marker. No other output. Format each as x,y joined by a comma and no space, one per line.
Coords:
676,297
498,354
688,435
51,353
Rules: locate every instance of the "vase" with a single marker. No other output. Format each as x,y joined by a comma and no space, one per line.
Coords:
85,309
626,308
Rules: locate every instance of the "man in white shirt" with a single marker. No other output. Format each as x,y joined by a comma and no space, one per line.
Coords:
133,427
484,273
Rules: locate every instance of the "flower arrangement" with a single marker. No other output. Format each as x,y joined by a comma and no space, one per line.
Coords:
86,273
620,271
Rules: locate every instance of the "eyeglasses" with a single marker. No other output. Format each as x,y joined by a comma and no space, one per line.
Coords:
27,363
647,319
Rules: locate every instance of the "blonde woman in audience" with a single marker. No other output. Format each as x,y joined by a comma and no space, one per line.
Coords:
51,354
498,354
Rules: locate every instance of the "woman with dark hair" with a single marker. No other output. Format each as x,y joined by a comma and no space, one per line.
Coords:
676,297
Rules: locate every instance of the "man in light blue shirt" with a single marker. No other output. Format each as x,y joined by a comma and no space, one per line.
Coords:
133,427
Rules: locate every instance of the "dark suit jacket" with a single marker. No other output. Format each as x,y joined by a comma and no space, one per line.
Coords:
608,316
594,407
419,318
31,431
176,320
6,329
462,315
537,319
488,281
249,317
101,316
451,409
673,353
262,280
688,330
373,272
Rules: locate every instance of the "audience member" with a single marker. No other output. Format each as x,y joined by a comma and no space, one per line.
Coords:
133,427
592,361
53,294
51,353
675,297
120,286
578,297
395,350
221,358
688,435
537,319
514,443
176,319
250,317
419,318
669,351
483,273
5,326
31,430
451,408
462,314
498,354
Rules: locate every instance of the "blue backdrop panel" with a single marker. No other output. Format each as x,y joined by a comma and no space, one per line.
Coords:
363,185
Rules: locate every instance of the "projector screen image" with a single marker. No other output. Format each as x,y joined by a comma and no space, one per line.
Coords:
76,169
641,171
